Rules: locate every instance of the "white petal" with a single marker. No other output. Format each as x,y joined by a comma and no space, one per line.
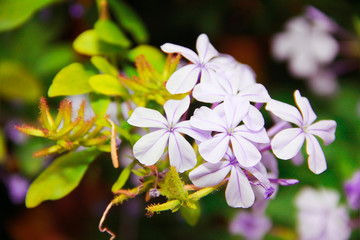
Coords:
186,52
209,92
282,46
254,119
259,171
305,108
287,143
181,153
324,47
284,111
204,48
209,174
214,149
183,80
259,136
247,76
325,129
174,109
303,64
246,153
235,108
208,74
197,134
206,119
255,93
239,193
150,147
145,117
316,160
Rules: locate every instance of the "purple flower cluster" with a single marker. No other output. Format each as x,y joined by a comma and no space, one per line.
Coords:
231,134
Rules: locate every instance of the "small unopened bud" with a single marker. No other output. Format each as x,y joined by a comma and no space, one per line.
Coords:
154,193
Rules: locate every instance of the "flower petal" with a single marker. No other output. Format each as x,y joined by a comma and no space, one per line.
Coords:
287,143
151,146
239,193
204,48
325,129
209,174
206,119
197,134
185,52
184,79
174,109
255,93
235,108
305,108
214,149
316,160
259,136
209,92
181,154
324,47
245,152
284,111
145,117
254,120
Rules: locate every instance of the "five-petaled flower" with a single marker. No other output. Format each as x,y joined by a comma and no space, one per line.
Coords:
288,142
201,68
224,121
149,149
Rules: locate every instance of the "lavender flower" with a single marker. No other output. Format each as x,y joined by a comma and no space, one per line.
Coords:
287,143
224,121
352,190
201,68
250,225
151,146
320,217
239,193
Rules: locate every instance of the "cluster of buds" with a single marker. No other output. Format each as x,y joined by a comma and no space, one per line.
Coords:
69,134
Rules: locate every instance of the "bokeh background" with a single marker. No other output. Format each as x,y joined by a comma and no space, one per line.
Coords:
33,51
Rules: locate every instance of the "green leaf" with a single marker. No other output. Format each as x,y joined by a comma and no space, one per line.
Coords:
60,178
124,176
71,80
129,20
104,66
107,84
89,43
99,103
152,54
16,82
190,215
13,13
110,33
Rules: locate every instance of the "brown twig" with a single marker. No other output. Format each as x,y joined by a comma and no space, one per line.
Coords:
105,229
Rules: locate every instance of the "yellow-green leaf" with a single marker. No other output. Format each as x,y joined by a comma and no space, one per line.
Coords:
104,66
17,82
89,43
107,85
99,103
110,33
71,80
60,178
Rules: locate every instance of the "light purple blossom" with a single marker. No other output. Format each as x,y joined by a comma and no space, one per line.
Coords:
149,149
288,142
224,121
352,190
239,193
201,66
320,217
305,45
250,225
